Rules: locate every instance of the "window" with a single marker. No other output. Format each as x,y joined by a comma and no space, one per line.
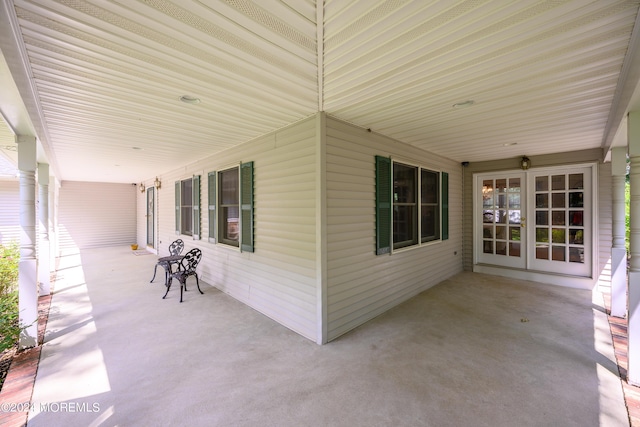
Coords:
212,206
429,209
231,206
405,205
411,205
187,205
229,190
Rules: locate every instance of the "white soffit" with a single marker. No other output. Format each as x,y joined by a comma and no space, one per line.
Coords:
109,75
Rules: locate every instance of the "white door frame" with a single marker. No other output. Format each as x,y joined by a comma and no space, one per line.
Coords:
509,226
151,222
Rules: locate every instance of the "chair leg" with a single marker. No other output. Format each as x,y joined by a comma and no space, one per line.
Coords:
168,287
198,283
166,274
154,273
182,285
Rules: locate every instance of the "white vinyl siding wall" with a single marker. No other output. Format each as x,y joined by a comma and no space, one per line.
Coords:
360,284
95,215
9,211
279,278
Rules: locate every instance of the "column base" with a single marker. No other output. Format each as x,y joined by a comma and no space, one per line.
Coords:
28,303
619,282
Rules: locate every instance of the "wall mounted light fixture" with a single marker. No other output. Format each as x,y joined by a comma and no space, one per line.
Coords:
525,163
157,183
142,187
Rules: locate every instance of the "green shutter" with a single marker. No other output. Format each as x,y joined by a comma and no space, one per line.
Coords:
383,205
212,206
177,207
445,206
196,207
246,206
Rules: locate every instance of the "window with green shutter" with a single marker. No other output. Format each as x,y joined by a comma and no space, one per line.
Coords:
211,185
412,205
234,206
429,209
187,206
229,207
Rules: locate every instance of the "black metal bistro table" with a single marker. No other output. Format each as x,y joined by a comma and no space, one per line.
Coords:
167,263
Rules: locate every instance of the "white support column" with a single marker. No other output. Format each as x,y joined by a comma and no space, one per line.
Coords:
44,250
27,269
618,250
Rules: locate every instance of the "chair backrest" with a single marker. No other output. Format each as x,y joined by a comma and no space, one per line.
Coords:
176,247
191,260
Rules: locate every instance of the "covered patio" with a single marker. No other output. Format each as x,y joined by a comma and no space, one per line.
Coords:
473,350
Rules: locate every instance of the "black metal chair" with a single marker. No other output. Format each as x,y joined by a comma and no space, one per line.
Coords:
186,268
175,249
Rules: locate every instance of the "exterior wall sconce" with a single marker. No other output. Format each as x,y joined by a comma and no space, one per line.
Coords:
142,187
525,163
157,183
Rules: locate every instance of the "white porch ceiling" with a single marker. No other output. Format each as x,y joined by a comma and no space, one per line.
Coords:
100,81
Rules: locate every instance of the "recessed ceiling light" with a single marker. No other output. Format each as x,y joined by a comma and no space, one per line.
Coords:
190,99
463,104
509,144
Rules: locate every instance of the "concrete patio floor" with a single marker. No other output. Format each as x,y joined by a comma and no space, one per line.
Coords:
475,350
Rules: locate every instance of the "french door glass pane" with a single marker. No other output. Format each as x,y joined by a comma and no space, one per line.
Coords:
576,200
558,253
487,193
557,182
575,218
514,249
576,255
542,183
557,217
558,200
542,200
514,185
514,234
542,218
576,181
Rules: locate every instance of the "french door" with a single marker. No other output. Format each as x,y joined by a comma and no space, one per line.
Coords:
502,240
562,213
538,220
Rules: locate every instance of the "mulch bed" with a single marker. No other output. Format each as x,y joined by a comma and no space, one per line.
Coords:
8,355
